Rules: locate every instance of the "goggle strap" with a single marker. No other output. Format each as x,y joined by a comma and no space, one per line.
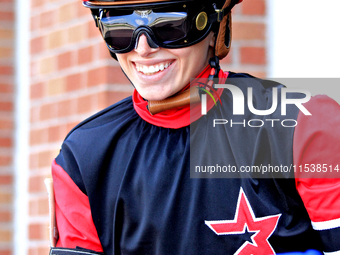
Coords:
95,16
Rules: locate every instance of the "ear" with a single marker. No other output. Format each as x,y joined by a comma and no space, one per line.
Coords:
212,39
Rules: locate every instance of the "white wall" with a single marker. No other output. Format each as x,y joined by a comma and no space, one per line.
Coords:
305,38
21,165
304,42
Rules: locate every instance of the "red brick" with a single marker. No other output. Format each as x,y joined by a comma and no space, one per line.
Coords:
6,88
248,31
32,251
5,180
35,114
82,11
74,82
6,16
47,19
33,207
33,161
65,108
253,55
67,12
47,111
71,125
93,31
47,65
97,76
56,86
77,33
34,70
106,99
117,76
254,7
38,136
5,142
43,207
38,206
36,231
54,133
35,22
37,3
37,90
5,251
85,55
65,60
6,70
5,217
45,159
5,198
38,250
6,53
5,161
6,235
42,250
104,53
36,184
37,45
6,106
228,58
85,104
56,39
6,124
6,34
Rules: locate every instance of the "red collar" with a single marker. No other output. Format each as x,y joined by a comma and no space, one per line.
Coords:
178,117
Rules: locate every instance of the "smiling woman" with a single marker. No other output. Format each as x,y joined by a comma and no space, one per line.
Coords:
123,179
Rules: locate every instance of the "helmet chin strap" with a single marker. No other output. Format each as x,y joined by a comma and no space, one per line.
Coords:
191,95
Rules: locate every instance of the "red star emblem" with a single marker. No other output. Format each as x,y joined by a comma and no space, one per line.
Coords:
245,221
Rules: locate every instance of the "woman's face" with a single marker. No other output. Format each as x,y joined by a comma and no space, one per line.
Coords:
159,73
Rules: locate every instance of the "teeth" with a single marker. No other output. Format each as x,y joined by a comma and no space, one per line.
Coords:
148,70
145,69
152,69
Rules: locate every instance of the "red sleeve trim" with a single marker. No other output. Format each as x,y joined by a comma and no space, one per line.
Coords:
317,141
73,214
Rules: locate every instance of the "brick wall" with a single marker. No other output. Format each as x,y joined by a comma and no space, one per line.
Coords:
73,76
249,45
6,125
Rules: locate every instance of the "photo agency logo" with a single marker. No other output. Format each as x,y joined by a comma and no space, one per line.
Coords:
239,104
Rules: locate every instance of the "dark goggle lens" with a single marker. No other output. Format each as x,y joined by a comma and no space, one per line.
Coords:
169,29
118,39
170,32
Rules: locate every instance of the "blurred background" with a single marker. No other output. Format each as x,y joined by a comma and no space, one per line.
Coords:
55,71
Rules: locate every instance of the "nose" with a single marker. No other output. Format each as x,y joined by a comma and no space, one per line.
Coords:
143,48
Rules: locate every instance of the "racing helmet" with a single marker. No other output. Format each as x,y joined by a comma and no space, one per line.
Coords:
165,23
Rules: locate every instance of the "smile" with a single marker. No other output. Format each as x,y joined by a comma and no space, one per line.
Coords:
152,69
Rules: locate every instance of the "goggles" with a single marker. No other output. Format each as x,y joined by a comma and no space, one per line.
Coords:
173,26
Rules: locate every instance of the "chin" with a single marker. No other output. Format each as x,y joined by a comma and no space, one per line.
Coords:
155,95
